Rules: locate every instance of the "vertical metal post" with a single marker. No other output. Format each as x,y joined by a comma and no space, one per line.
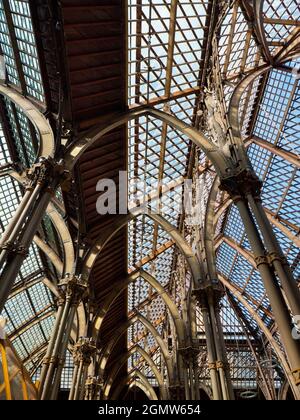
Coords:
185,378
74,380
53,360
46,361
192,384
281,313
79,378
220,362
211,354
196,373
277,257
222,345
16,222
62,354
83,382
13,265
84,350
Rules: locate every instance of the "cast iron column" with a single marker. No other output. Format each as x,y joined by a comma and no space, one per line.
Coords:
240,188
73,288
277,258
44,179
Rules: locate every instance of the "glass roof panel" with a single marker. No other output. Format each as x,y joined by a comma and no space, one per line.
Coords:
19,46
165,60
29,311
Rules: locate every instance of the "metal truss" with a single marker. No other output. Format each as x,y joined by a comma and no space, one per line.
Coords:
171,133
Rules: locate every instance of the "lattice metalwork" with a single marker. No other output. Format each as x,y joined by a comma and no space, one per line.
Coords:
171,53
67,373
19,47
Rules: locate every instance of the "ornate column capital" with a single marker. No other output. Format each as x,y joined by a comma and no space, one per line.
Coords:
296,376
242,184
14,248
49,173
73,288
84,350
93,386
189,354
213,289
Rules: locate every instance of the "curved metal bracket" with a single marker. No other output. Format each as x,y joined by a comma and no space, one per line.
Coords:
121,330
143,384
123,359
121,222
47,141
122,285
222,163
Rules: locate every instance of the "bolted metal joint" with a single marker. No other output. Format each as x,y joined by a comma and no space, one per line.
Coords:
296,376
212,366
73,287
46,360
242,184
54,360
84,350
14,248
274,256
222,365
48,172
261,260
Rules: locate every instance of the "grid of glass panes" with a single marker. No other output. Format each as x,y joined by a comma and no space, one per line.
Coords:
189,35
22,135
144,166
32,266
34,361
67,373
26,135
233,42
25,305
243,368
27,47
6,49
231,324
148,48
161,267
9,199
4,152
274,105
149,36
283,16
290,137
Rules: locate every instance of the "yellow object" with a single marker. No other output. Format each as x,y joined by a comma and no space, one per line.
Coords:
15,382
